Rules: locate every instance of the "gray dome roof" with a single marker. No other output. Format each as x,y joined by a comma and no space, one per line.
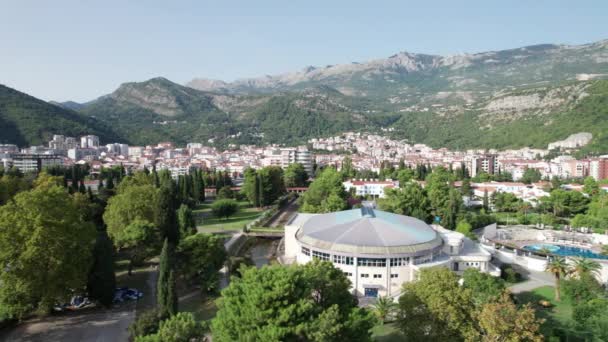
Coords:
369,231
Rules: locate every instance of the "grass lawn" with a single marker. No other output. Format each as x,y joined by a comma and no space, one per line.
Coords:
386,333
207,223
556,316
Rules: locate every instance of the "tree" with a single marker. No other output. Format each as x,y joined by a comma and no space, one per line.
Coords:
146,323
250,186
164,216
182,327
558,267
502,321
384,308
102,280
165,288
531,176
465,229
271,184
448,309
347,170
449,214
45,250
583,266
225,192
591,187
484,287
200,257
410,200
224,208
582,289
134,203
404,176
185,221
295,175
486,201
465,188
315,199
302,302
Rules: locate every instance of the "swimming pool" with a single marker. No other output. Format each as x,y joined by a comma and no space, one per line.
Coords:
566,251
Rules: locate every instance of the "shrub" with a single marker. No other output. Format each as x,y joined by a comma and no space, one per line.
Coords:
225,192
224,208
509,274
147,323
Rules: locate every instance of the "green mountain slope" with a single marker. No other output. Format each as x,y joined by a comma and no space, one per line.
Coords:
26,120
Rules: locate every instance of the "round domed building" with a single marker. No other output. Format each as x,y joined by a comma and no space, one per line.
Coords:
378,251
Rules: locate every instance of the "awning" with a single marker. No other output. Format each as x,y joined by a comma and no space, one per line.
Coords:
372,286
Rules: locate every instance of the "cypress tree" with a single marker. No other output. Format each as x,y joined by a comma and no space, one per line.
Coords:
110,183
172,298
165,218
261,194
186,222
202,183
256,191
486,201
101,280
162,287
196,187
81,188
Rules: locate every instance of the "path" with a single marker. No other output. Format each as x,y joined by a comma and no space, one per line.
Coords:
286,214
534,279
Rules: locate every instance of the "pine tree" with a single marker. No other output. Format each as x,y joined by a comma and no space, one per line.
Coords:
102,281
110,183
81,188
256,191
486,201
202,182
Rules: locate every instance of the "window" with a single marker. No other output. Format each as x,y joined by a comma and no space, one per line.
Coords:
377,276
394,275
348,274
399,262
422,259
364,275
305,251
341,259
371,262
320,255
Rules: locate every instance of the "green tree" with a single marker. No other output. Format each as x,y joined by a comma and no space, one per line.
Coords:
583,266
404,176
582,289
448,309
449,214
165,288
200,257
315,199
45,250
102,280
134,203
224,208
185,221
347,170
164,216
558,267
465,188
384,308
465,228
225,192
484,287
591,187
250,186
183,327
295,175
531,176
410,200
140,239
271,184
305,302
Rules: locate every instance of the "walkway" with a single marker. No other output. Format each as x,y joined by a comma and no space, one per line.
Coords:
533,280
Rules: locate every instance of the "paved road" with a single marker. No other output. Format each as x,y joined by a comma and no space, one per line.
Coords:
99,326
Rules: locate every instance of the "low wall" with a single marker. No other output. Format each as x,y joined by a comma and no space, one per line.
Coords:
531,263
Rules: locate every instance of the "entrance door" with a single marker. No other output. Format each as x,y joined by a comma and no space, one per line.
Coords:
370,292
455,266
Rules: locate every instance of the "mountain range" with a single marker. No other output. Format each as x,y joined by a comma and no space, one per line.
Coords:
528,96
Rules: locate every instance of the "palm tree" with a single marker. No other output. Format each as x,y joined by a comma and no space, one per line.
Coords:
558,267
583,266
384,307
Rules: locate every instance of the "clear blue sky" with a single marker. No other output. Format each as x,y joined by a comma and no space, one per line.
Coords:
79,50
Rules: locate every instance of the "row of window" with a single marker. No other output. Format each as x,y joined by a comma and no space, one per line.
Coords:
367,262
376,276
471,263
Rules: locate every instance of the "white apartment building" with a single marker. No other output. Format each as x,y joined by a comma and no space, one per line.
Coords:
370,187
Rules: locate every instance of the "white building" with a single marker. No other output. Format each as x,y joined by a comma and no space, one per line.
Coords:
371,187
89,141
379,251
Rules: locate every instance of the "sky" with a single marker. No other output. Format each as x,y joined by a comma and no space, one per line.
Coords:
79,50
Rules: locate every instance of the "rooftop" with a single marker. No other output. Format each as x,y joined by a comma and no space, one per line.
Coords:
368,231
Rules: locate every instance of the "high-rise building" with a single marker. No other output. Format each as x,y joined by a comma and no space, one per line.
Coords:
89,141
598,168
486,163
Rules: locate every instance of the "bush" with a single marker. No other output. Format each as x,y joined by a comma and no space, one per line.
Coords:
225,192
224,208
147,323
509,274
